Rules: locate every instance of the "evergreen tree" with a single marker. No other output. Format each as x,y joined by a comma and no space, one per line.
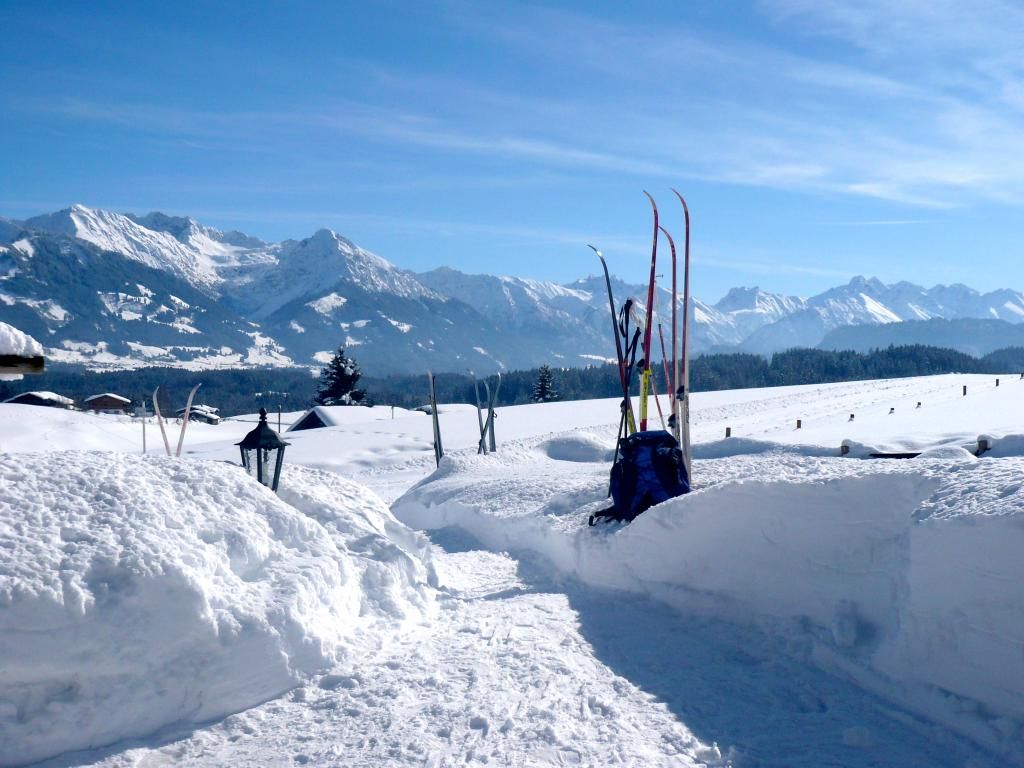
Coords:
544,390
338,382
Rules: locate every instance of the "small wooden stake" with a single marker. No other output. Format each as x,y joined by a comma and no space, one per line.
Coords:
728,431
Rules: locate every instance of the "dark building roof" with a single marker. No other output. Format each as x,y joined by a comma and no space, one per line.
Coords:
50,399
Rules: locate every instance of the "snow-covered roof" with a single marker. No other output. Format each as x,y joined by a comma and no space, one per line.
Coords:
339,415
18,343
44,395
325,413
111,395
200,409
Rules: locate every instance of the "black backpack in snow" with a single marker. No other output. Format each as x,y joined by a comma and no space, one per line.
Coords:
649,470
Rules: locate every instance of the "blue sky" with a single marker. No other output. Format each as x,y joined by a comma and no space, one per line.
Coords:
814,140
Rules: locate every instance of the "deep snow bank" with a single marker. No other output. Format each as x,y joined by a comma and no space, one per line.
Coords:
903,575
18,343
137,592
15,342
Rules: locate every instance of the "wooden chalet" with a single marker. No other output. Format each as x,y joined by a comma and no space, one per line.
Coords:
46,399
108,403
206,414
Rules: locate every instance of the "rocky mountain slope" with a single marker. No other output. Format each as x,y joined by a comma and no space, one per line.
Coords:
112,290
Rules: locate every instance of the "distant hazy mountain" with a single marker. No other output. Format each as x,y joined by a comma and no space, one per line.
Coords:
975,337
871,302
112,290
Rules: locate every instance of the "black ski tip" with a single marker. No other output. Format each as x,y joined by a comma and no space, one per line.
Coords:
592,521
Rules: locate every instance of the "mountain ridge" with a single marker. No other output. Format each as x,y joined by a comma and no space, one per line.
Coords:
294,302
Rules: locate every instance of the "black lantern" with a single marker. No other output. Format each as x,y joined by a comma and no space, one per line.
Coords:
263,453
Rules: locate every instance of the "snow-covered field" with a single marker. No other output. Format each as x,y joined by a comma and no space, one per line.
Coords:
797,609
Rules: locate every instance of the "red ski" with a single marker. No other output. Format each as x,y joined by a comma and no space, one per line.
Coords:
645,373
672,384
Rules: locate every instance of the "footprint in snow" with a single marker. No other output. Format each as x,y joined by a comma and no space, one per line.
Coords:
333,682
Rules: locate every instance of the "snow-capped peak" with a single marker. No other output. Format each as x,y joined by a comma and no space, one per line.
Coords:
755,300
335,258
115,232
315,266
222,250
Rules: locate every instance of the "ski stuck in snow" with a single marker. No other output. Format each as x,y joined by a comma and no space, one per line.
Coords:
161,422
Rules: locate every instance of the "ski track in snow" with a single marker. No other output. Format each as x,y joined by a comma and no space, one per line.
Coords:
523,669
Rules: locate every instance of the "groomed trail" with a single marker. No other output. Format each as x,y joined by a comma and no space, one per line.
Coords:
523,669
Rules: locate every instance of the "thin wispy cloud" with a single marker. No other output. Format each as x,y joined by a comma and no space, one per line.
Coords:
876,117
906,142
902,139
878,223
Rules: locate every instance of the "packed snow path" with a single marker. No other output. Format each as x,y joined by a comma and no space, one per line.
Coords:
520,669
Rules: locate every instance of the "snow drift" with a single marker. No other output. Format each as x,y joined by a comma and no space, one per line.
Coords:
15,342
904,576
138,592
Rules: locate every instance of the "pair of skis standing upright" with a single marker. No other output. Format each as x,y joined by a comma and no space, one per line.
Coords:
628,343
160,420
486,425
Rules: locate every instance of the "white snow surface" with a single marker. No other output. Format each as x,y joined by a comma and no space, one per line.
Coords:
902,575
137,592
797,609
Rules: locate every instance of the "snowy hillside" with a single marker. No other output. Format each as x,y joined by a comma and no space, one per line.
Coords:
311,267
78,279
114,232
799,608
107,311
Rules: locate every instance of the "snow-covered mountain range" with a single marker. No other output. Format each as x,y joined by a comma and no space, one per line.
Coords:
113,290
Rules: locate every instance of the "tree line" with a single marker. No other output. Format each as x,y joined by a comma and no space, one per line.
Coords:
293,389
711,372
